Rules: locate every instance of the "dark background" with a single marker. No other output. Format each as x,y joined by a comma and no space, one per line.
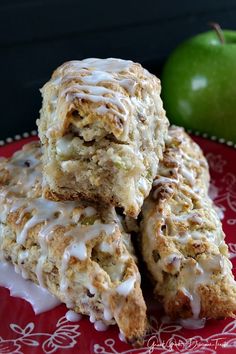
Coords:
37,36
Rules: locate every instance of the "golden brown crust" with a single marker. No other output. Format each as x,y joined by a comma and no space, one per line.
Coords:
182,238
68,195
102,126
111,81
133,309
80,254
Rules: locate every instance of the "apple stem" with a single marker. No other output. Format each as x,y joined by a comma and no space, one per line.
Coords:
216,27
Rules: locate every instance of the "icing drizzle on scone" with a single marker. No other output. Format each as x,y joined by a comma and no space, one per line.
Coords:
183,242
82,230
107,86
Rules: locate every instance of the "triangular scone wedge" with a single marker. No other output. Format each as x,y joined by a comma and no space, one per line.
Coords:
182,238
78,252
102,126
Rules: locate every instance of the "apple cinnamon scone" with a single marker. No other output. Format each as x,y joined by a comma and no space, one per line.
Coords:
102,126
80,254
182,239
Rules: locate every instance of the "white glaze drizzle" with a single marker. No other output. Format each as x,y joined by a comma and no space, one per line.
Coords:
188,171
192,323
92,318
193,216
110,65
84,234
162,180
39,269
188,323
107,314
73,316
100,326
126,286
44,211
200,273
78,249
188,175
107,247
220,211
159,182
40,299
50,215
96,94
90,78
24,169
122,337
213,192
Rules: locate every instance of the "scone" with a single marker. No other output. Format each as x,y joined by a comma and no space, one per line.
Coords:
102,126
182,238
79,253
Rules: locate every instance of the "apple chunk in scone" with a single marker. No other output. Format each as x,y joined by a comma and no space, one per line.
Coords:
102,127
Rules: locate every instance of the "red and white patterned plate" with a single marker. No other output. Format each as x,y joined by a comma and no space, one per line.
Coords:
23,332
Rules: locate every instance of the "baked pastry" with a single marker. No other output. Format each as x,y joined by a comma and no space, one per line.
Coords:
80,254
182,238
102,126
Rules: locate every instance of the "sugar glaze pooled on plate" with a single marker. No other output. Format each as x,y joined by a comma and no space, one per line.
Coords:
39,298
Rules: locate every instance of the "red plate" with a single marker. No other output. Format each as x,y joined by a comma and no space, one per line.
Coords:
23,332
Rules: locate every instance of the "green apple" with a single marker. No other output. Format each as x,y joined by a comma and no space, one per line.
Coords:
199,84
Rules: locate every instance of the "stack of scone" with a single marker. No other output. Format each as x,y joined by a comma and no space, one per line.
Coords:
106,145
